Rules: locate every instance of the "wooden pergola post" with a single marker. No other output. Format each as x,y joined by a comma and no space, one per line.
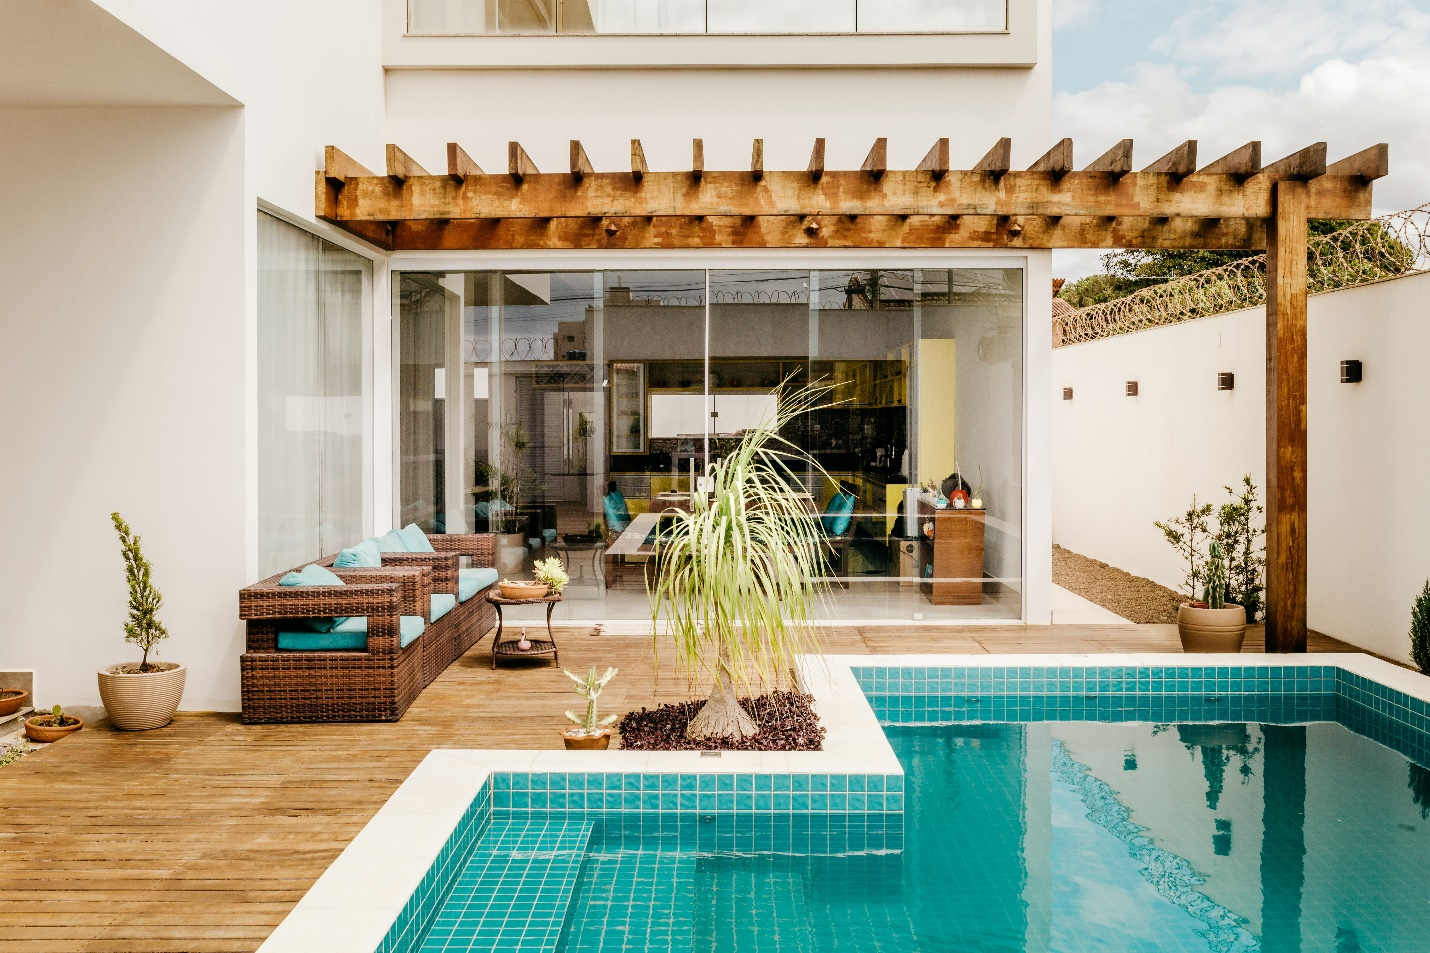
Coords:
1286,419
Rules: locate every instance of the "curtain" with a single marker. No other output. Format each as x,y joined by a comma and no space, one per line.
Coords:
313,401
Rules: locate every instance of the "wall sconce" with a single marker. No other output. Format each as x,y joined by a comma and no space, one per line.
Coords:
1131,388
1350,372
1067,393
1226,380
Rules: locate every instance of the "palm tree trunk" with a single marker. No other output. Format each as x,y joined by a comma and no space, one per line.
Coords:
721,718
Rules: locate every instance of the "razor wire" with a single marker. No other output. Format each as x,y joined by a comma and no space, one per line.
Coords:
1392,246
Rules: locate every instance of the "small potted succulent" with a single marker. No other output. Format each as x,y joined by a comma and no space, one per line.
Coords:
146,695
52,727
592,733
1212,625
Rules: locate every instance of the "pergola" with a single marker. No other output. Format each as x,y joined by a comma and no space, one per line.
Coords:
1233,203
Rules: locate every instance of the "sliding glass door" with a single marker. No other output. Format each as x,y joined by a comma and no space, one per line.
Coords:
556,408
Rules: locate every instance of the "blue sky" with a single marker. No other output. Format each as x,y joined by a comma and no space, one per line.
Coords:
1287,72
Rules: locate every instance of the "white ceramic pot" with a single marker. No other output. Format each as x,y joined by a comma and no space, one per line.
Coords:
1211,630
138,701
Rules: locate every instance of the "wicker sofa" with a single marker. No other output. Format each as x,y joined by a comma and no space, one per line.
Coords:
380,681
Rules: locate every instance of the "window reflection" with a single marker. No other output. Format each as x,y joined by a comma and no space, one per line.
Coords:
632,16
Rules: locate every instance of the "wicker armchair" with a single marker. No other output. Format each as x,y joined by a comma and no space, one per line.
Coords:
377,684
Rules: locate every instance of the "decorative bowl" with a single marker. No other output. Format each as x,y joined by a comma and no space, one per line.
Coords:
523,590
12,700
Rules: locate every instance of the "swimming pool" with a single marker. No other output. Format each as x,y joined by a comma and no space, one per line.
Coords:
1028,807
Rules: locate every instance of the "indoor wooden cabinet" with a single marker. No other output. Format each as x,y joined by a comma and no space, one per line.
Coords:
957,546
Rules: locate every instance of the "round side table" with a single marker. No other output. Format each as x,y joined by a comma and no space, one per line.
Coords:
539,647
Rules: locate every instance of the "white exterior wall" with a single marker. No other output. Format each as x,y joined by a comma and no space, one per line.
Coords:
1121,462
128,266
129,284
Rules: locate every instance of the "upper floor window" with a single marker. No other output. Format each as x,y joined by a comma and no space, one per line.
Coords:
706,16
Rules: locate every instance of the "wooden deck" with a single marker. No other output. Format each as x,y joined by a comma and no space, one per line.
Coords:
201,836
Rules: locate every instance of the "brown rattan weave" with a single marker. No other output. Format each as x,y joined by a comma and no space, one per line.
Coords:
373,685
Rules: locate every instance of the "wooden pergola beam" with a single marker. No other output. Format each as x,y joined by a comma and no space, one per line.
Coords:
876,163
1366,165
1179,163
401,166
936,162
837,192
1243,162
459,164
638,164
580,163
829,231
816,161
338,166
1286,389
757,160
1307,164
518,164
998,160
1058,161
697,158
1116,161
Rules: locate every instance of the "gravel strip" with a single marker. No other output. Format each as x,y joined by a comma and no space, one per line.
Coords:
1132,597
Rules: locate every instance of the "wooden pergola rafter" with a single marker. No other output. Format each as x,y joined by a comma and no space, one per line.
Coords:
1233,203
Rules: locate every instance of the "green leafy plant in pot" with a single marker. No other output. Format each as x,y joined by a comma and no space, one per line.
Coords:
738,576
51,727
145,695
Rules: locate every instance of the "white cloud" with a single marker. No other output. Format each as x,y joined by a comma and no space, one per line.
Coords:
1068,14
1270,39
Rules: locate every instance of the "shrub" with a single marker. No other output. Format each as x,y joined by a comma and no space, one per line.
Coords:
1420,630
143,627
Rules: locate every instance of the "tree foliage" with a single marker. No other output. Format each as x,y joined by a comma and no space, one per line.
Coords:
1420,630
143,627
1188,534
1129,270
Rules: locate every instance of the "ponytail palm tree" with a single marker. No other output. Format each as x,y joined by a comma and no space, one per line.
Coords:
738,579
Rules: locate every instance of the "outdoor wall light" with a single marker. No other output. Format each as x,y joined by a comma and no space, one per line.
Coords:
1350,372
1131,388
1225,380
1067,393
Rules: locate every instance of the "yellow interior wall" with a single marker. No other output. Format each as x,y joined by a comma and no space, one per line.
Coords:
938,454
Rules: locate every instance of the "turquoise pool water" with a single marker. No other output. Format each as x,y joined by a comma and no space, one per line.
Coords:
1065,836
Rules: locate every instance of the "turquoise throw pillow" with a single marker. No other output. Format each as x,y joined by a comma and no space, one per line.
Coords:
364,555
838,514
472,581
618,515
414,539
315,575
392,542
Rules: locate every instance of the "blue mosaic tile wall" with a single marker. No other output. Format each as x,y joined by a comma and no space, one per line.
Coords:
699,793
1383,714
417,914
1096,680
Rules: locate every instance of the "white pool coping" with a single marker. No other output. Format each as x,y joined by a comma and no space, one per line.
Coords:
358,898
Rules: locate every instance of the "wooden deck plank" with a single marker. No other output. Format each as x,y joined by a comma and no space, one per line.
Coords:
201,836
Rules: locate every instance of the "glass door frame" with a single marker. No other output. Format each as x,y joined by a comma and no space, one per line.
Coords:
721,259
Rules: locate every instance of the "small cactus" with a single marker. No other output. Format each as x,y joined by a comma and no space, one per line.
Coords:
590,688
1215,593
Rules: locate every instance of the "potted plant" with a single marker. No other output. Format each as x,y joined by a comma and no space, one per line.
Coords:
1212,625
591,732
12,700
739,576
1420,630
145,695
52,727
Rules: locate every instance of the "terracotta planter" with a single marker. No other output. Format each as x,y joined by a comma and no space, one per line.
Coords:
600,741
138,701
36,728
12,700
1211,630
523,590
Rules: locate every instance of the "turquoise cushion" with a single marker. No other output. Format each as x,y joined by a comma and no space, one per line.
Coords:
364,555
838,514
414,539
391,542
315,575
350,636
549,535
533,543
618,516
442,603
472,581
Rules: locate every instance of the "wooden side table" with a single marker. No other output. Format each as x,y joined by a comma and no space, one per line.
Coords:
509,649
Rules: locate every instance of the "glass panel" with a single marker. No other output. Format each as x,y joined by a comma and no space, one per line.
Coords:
482,16
932,16
425,305
632,16
313,425
780,16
